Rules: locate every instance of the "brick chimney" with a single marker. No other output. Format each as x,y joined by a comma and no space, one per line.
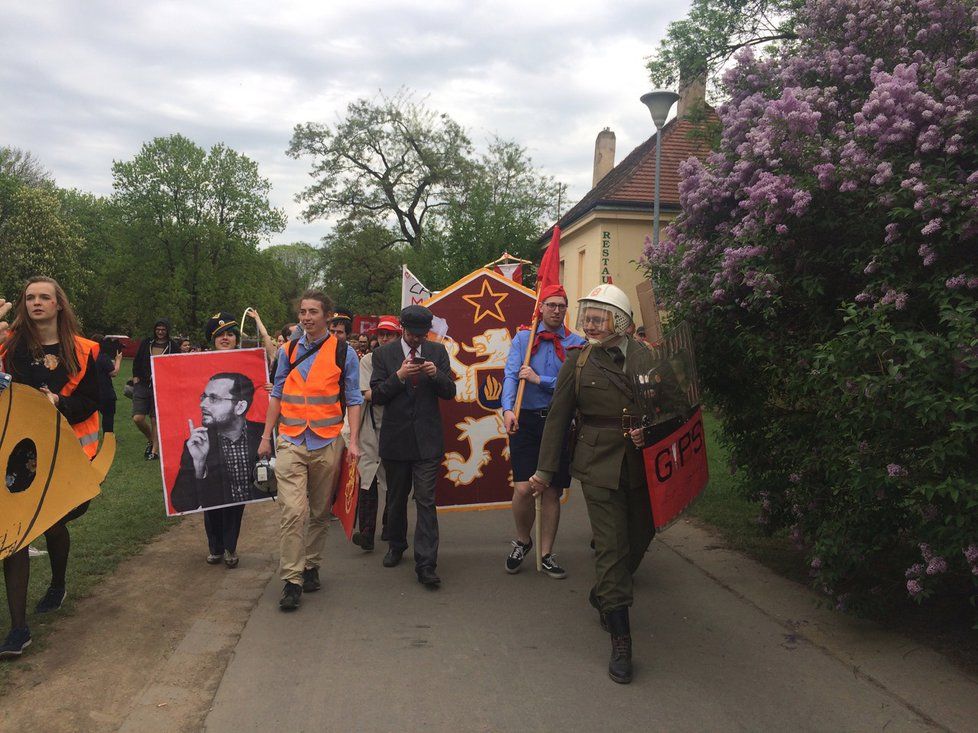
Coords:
692,93
604,155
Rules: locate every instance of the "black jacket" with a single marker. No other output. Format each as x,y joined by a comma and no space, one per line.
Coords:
140,363
412,417
191,493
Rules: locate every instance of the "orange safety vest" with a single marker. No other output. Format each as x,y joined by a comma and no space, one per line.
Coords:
87,430
314,402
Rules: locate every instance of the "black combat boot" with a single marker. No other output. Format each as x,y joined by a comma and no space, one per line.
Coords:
592,598
620,666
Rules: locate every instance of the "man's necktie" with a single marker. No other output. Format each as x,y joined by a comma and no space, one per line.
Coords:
414,377
617,357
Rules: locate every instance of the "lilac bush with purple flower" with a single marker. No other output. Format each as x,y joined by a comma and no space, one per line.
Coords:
827,257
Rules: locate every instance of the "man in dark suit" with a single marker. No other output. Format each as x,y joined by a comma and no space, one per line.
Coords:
410,375
219,456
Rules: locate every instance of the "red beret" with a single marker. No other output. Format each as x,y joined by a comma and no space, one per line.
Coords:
553,290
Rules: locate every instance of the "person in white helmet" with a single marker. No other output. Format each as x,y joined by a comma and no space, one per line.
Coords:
595,382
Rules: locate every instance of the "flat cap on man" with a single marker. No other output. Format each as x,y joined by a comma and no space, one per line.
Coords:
416,319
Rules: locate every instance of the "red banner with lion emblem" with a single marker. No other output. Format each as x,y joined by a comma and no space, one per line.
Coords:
347,493
476,319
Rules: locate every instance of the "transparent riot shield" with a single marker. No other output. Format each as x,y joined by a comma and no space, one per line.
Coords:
667,386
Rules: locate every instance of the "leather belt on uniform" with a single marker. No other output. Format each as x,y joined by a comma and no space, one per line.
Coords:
542,412
603,423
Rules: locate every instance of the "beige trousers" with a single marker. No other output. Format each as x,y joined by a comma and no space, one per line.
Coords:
306,484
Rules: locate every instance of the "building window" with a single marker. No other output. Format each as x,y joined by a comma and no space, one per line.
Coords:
580,272
561,276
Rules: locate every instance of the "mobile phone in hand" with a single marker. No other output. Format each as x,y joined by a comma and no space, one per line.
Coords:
417,360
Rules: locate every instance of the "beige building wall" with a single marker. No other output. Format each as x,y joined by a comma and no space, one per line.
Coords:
602,244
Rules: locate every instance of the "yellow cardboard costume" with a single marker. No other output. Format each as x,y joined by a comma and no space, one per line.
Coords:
38,493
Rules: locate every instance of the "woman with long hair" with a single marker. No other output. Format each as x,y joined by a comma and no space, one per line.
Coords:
43,349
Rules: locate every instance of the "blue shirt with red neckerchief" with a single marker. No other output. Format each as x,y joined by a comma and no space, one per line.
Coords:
544,362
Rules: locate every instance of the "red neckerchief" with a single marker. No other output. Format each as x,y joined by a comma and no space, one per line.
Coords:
554,338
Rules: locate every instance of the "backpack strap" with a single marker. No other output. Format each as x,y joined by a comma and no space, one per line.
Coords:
341,350
293,345
578,367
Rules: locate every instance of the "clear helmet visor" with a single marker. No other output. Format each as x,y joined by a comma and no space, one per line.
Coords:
600,321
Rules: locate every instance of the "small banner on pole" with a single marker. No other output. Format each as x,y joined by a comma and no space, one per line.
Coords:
347,493
412,291
512,270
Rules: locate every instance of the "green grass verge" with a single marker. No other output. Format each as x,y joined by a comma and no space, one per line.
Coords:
722,506
124,517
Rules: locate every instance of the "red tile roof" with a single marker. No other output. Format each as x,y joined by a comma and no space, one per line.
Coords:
630,184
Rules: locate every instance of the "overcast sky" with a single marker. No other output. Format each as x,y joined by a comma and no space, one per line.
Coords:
85,83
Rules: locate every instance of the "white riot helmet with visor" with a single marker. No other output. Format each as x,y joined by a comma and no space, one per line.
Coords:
609,304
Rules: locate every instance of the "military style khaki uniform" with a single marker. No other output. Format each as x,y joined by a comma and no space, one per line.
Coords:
609,466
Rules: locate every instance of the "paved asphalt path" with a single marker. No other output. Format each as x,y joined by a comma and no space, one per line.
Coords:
720,644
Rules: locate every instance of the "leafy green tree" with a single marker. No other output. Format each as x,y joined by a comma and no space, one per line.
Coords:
390,161
100,225
301,259
714,30
504,207
360,270
194,220
37,238
24,166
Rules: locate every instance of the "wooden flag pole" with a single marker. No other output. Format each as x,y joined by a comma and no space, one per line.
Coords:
537,501
548,273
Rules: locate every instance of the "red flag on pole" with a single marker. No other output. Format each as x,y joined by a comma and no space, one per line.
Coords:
549,272
547,275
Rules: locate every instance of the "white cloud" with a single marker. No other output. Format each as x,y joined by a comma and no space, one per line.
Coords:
83,84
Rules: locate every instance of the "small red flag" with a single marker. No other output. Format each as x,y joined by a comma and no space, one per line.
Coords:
549,272
347,493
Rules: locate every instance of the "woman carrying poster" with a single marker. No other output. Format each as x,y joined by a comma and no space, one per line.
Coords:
44,350
220,454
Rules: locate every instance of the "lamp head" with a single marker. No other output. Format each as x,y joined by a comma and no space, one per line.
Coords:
659,102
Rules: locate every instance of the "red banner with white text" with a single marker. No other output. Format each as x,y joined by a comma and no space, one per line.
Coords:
676,470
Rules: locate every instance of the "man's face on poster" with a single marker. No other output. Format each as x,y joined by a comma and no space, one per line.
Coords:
217,405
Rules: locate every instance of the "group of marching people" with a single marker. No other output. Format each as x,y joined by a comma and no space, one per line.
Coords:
383,409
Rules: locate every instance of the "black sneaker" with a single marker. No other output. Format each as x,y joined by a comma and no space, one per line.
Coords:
516,557
51,601
364,542
16,642
290,597
153,456
149,449
310,580
548,563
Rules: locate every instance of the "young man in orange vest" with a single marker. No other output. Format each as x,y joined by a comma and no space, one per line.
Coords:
316,379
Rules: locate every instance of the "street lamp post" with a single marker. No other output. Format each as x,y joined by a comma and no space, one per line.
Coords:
659,102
